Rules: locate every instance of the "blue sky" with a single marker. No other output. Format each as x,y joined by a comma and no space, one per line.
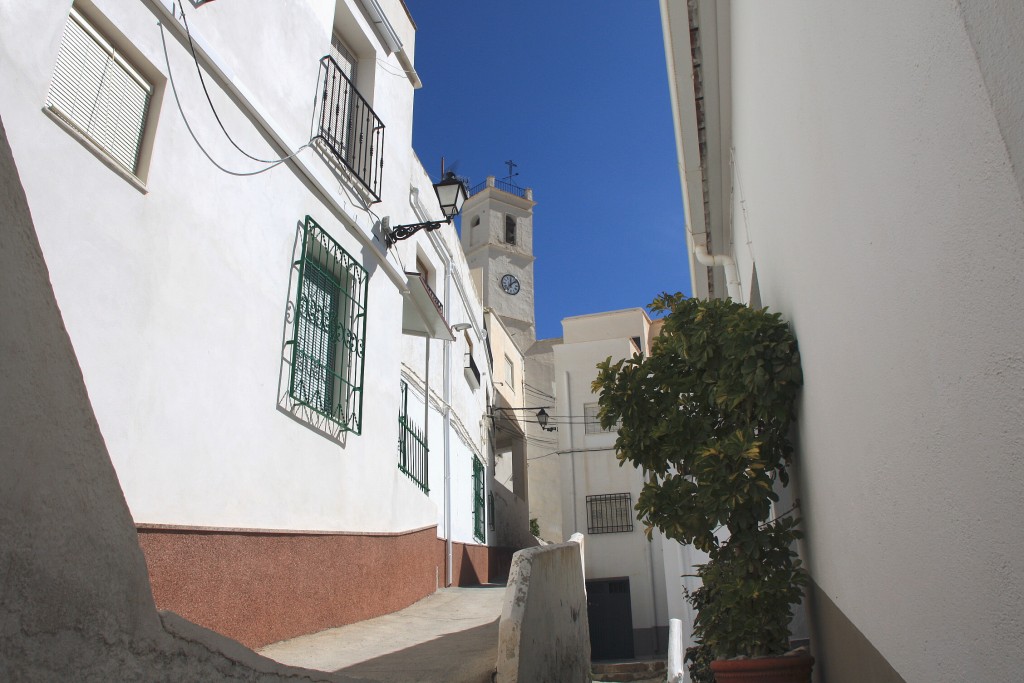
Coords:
576,93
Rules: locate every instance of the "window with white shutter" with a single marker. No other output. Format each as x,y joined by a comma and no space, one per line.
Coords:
96,91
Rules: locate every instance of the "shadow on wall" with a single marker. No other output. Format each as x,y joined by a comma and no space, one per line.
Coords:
75,602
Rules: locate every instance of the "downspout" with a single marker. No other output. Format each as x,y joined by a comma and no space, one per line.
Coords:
391,39
447,431
654,595
700,252
572,451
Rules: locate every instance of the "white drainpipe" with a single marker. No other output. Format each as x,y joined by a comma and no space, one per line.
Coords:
700,252
447,388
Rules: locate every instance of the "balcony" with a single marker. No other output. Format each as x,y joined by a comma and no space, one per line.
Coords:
472,372
422,313
347,128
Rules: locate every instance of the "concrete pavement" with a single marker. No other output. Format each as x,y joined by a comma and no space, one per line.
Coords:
450,636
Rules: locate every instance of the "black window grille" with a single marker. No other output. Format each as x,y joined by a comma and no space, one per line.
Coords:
609,513
330,330
412,445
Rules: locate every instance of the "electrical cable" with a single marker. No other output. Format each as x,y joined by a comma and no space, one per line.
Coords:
202,81
177,101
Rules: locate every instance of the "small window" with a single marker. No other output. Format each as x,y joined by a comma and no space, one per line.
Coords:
479,533
330,330
412,444
590,418
510,374
609,513
510,229
592,421
475,222
96,91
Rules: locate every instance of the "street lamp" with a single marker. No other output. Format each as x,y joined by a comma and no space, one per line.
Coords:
451,195
542,420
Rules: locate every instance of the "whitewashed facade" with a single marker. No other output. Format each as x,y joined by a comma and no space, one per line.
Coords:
179,284
857,167
626,573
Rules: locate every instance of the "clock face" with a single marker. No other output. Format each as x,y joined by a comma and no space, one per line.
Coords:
510,284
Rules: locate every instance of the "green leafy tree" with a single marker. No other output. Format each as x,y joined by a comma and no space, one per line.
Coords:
707,417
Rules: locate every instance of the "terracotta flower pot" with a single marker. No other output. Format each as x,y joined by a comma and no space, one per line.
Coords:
787,669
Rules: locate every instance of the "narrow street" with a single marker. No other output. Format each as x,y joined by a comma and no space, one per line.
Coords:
450,636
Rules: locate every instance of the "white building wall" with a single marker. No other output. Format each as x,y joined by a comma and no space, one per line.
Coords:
875,186
589,467
175,298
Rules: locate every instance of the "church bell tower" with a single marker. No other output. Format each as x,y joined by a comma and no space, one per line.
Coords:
497,238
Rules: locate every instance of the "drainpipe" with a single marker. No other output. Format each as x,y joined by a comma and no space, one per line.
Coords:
426,396
447,430
654,595
391,39
700,252
572,451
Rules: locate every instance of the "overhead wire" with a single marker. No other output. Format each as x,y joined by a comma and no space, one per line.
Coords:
188,126
202,81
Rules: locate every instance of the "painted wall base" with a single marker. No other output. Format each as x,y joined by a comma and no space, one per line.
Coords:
857,660
262,587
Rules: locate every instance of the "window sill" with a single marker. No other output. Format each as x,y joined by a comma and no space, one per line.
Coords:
86,142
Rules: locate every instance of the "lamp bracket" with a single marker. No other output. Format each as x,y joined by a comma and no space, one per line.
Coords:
404,232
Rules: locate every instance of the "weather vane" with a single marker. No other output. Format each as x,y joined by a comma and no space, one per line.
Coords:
511,164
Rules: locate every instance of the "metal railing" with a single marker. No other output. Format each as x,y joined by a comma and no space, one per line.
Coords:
412,446
348,127
503,185
609,513
433,297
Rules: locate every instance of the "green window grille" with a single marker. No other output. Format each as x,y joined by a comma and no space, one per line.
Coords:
478,501
412,445
329,342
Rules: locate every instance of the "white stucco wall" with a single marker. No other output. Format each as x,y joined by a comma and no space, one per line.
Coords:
589,466
542,446
176,298
874,180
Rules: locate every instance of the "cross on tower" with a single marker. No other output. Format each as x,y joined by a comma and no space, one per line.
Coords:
511,164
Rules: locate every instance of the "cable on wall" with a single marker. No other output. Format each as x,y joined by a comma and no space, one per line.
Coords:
202,81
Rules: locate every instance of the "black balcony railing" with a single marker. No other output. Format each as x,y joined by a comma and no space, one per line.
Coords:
433,297
503,185
348,127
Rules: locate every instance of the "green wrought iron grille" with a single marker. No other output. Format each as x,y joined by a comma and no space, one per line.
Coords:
478,501
329,342
412,445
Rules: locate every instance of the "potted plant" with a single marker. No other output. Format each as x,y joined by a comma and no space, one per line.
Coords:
707,417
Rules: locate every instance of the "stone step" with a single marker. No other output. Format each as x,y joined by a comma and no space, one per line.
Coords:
631,672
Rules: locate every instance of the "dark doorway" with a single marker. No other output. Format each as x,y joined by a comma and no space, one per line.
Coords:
610,616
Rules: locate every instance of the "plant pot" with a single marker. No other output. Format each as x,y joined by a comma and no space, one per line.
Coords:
786,669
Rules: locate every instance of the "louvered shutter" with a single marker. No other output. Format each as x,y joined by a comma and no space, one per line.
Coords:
99,93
